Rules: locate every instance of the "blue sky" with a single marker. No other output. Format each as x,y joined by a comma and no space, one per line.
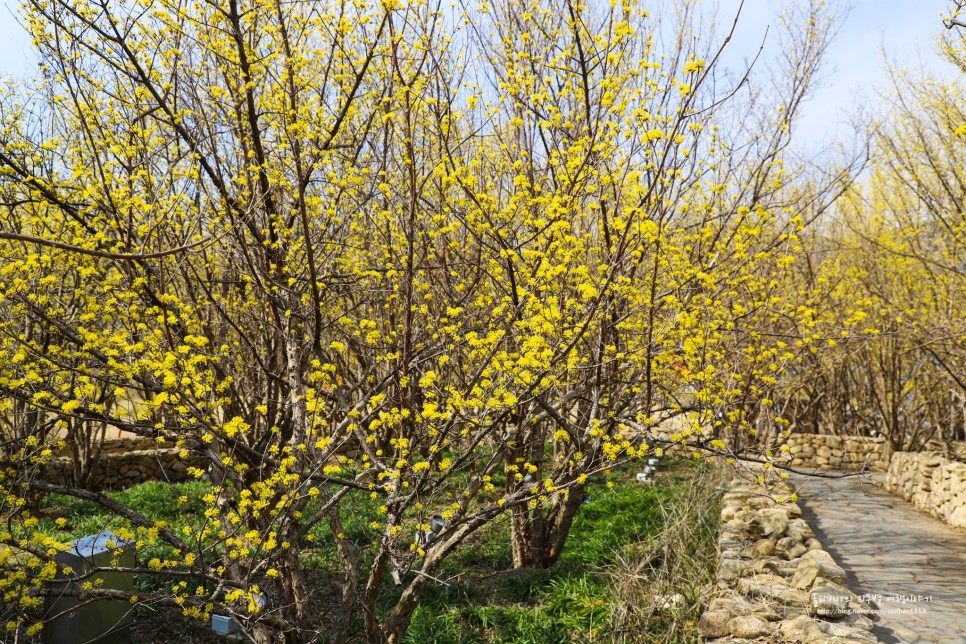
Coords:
906,29
14,44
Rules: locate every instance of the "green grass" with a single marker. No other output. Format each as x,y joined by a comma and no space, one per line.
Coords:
156,499
628,543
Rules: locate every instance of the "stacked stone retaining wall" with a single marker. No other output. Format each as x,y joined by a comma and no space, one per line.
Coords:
119,469
812,451
128,461
775,581
954,450
931,482
828,451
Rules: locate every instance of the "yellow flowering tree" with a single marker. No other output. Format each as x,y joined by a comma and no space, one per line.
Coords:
448,261
891,270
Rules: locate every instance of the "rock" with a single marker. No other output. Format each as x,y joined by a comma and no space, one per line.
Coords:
809,630
820,557
799,628
732,534
861,622
714,624
793,509
737,606
786,543
772,587
761,579
856,605
824,565
774,522
768,616
737,527
730,569
763,548
731,552
759,502
774,566
798,529
796,551
744,514
828,601
749,627
958,517
732,604
826,588
806,574
669,602
842,634
736,499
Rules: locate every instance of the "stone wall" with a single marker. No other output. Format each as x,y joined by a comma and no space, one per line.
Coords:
827,451
118,446
954,450
128,461
118,469
775,582
931,482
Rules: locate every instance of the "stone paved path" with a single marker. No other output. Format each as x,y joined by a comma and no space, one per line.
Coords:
893,554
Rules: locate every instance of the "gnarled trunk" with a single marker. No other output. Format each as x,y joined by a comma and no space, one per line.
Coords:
537,536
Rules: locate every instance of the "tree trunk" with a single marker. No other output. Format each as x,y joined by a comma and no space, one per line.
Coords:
520,537
295,594
537,539
374,632
352,565
402,614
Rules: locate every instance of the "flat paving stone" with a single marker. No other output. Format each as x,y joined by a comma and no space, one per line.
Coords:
909,566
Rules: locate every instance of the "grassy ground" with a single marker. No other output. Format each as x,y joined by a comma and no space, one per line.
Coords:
634,568
631,550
